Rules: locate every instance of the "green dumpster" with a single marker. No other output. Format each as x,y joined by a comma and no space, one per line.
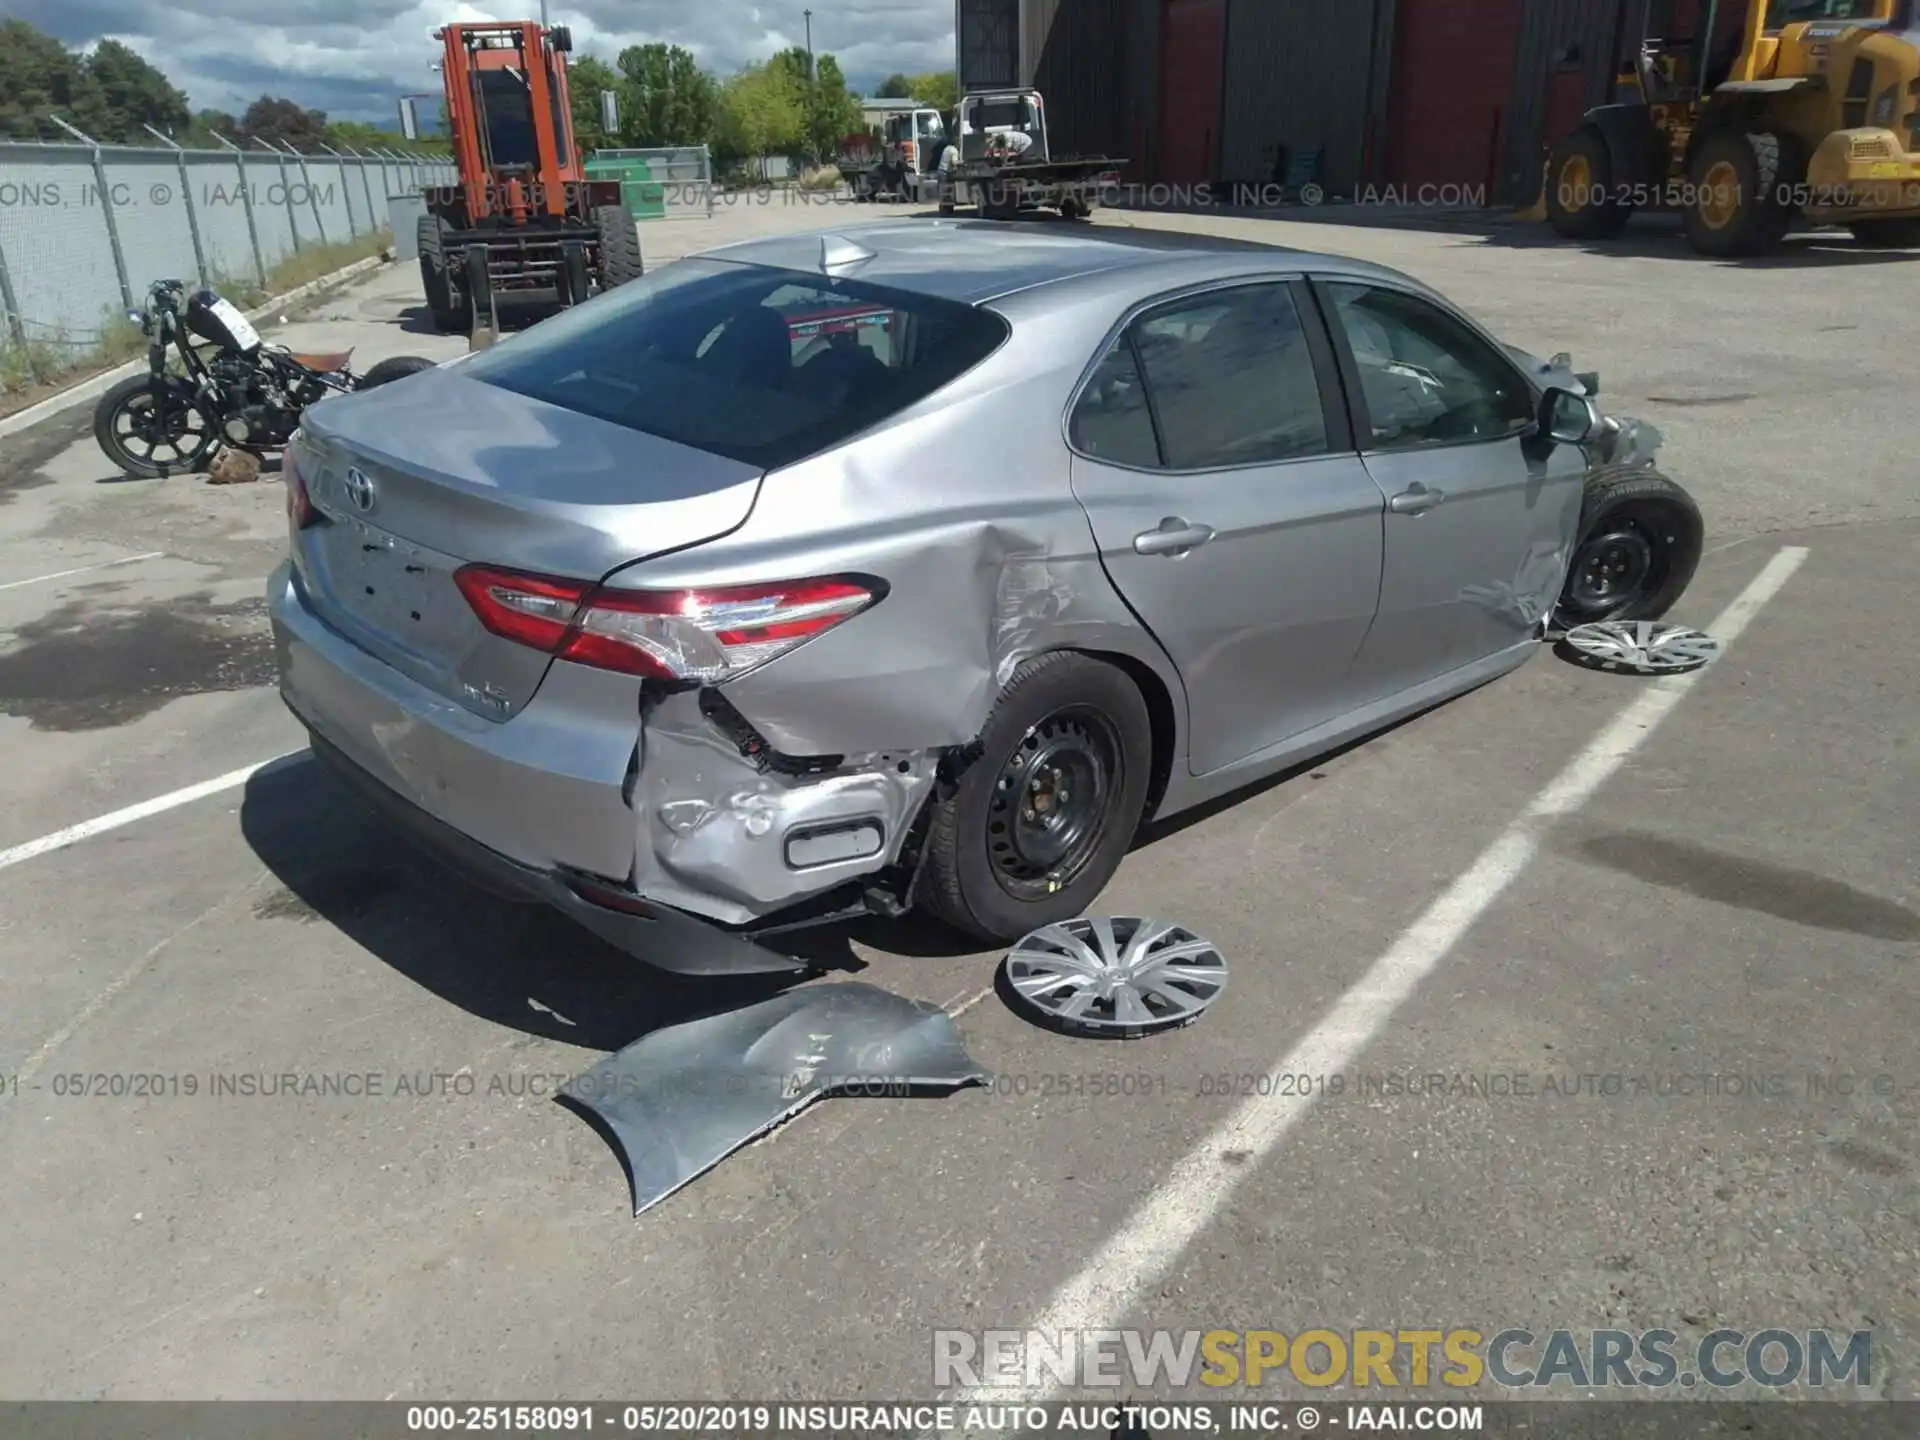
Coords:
644,197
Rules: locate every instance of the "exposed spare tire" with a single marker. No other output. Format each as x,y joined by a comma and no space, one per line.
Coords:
1638,546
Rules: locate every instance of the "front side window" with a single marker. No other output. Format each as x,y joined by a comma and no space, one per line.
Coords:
761,365
1427,378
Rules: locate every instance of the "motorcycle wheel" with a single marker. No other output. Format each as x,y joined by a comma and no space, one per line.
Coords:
147,444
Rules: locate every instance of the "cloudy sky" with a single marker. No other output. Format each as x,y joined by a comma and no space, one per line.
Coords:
351,58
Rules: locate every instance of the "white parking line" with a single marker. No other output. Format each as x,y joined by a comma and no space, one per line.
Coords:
87,829
1103,1294
83,570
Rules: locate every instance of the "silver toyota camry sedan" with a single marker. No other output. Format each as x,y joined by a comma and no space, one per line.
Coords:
915,564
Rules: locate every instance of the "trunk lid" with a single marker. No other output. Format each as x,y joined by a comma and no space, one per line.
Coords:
416,479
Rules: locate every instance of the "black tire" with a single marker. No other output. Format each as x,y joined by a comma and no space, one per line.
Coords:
576,273
474,263
996,873
1901,234
619,246
1583,199
1738,200
999,202
1639,544
396,368
126,434
443,306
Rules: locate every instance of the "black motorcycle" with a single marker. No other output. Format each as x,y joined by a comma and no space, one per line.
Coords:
228,387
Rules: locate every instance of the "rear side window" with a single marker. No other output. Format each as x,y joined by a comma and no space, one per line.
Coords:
1112,421
1232,379
761,365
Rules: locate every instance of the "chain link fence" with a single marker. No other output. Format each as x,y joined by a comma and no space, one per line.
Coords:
85,229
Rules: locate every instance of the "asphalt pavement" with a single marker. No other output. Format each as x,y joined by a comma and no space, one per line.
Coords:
1579,1003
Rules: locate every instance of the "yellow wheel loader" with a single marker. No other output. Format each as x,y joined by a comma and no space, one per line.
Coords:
1812,113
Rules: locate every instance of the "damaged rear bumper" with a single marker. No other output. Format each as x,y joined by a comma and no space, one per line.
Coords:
666,938
669,830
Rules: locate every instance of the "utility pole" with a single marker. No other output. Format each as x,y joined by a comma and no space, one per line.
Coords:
813,90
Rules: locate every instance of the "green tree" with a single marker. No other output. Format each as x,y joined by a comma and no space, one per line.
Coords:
836,108
588,78
205,125
666,98
763,113
129,95
940,89
282,122
40,77
358,135
829,111
895,87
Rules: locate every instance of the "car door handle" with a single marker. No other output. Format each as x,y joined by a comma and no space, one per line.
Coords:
1416,499
1174,537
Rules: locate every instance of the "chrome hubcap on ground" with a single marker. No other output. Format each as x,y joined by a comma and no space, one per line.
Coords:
1642,647
1049,809
1116,977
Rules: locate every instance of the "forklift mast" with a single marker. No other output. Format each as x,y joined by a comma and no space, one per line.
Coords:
512,122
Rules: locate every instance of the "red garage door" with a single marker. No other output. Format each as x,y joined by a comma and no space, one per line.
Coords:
1452,90
1192,58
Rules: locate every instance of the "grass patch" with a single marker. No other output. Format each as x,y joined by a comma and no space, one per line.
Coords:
314,262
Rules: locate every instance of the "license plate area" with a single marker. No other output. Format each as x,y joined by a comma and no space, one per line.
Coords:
401,591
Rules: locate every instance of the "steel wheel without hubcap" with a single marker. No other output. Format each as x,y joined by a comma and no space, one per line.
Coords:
1612,568
1049,810
1116,977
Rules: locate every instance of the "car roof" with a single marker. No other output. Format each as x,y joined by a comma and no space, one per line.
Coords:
976,261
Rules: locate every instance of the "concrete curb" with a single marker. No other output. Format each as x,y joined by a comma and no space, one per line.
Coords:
97,385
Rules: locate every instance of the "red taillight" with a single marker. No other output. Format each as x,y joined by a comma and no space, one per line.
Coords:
700,635
299,504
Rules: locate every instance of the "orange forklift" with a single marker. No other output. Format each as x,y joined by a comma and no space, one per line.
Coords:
523,220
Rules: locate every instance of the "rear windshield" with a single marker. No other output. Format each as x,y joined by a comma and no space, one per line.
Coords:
761,365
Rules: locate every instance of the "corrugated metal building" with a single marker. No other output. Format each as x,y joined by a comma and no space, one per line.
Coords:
1465,93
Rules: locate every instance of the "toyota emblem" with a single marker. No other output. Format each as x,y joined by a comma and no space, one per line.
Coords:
359,490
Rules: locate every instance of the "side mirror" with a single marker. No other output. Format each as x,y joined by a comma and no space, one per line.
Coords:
409,120
610,113
1567,418
561,38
